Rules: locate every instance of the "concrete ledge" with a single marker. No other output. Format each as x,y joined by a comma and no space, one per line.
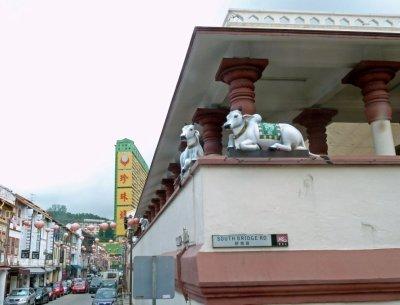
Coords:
291,277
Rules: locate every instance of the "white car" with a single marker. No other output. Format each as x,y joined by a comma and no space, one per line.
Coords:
21,296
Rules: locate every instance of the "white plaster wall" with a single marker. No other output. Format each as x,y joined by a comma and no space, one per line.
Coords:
320,207
185,211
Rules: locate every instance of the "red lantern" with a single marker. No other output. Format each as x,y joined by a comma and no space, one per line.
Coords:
113,225
133,222
74,227
39,224
103,226
26,223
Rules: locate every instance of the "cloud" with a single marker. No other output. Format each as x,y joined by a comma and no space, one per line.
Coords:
78,75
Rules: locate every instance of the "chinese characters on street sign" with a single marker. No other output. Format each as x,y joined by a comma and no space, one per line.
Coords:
250,240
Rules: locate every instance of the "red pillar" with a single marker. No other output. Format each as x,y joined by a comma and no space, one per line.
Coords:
211,120
156,205
169,187
175,169
161,197
152,209
182,146
372,78
147,215
315,120
241,74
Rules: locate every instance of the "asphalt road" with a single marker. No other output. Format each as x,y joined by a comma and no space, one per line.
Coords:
76,299
73,299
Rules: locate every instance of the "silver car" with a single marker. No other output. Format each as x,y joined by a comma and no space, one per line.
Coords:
21,296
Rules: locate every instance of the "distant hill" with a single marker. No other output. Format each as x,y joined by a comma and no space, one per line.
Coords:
60,213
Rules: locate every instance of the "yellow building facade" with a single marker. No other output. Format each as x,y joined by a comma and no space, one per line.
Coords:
130,176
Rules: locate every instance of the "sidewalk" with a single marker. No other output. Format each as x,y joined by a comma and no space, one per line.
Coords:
125,300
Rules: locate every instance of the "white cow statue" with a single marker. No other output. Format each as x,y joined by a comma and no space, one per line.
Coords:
250,134
144,223
193,148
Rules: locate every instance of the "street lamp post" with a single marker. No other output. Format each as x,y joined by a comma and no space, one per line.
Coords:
132,227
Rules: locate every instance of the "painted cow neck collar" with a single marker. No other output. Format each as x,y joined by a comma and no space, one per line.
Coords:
192,145
241,131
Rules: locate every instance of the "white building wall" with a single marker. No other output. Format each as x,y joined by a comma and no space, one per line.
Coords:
319,207
185,211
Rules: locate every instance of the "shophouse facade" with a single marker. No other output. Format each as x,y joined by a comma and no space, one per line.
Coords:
35,250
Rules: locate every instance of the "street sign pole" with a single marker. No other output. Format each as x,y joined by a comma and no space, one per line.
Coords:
154,280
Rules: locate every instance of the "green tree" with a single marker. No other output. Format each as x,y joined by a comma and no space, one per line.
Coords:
60,213
105,236
58,208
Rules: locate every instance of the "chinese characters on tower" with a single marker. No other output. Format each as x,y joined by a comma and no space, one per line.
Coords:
131,172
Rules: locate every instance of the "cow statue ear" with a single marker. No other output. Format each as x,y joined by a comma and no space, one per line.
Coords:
197,133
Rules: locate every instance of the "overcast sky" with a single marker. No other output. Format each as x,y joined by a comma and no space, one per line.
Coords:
76,75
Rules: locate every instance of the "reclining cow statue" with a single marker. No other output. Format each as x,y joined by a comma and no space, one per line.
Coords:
193,148
250,134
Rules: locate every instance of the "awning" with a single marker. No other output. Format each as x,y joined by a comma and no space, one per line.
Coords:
48,269
15,271
36,270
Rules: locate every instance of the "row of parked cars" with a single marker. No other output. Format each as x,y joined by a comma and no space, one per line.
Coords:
43,295
106,290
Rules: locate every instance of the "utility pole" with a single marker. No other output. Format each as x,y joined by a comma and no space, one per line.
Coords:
130,231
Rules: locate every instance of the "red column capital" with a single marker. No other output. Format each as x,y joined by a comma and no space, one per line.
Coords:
211,120
372,78
241,74
169,187
315,120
